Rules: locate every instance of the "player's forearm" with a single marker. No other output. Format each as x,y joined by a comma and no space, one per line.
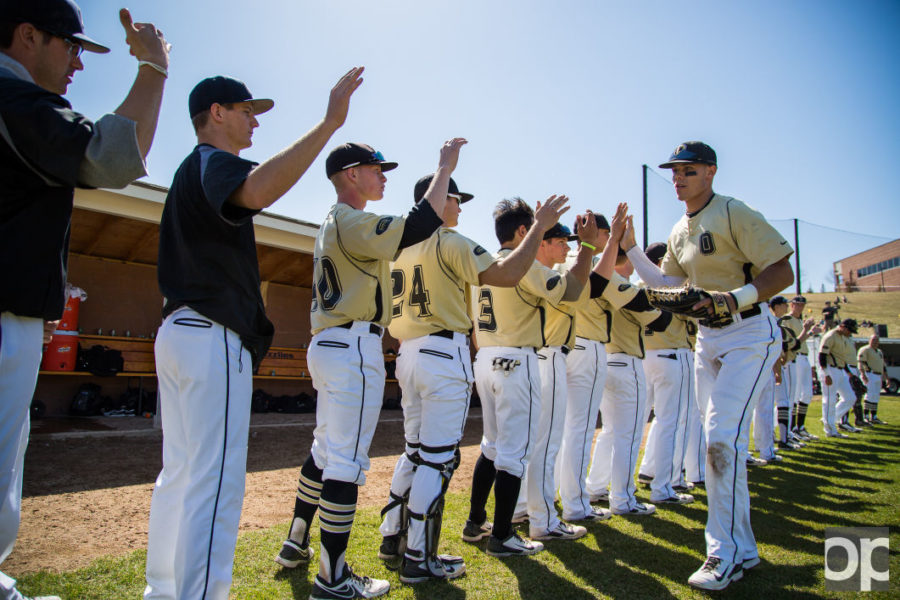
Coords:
508,271
436,195
773,279
142,103
273,178
577,276
648,272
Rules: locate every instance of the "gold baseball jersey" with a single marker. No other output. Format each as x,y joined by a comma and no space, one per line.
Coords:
789,343
626,331
559,328
351,267
723,246
871,360
592,320
796,326
515,316
430,284
675,335
838,349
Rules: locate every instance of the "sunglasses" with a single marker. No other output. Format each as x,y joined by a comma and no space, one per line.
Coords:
377,157
73,46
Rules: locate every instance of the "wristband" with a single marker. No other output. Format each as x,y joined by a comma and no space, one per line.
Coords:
591,246
163,70
745,296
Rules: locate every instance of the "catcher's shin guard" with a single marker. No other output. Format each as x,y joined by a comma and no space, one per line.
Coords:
434,518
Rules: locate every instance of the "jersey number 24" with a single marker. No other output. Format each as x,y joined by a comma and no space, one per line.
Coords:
418,293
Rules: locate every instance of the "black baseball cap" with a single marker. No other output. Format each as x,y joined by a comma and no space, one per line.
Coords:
798,300
422,187
559,231
352,154
656,251
691,152
850,325
61,18
776,300
224,90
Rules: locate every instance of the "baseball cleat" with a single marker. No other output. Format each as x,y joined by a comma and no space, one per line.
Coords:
683,487
848,427
350,586
700,483
837,434
774,458
749,563
677,499
514,545
596,514
520,519
473,532
862,423
788,446
443,566
390,547
752,461
292,554
645,479
639,508
601,497
877,421
807,434
562,531
716,574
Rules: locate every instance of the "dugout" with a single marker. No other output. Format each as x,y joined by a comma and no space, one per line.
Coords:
112,256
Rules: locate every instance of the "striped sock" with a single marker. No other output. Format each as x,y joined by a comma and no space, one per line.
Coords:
309,488
337,507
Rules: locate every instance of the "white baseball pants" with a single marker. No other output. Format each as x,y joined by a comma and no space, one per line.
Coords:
832,409
20,359
509,385
764,420
205,385
733,364
585,378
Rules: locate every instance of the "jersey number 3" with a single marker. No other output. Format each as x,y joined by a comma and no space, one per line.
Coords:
486,319
418,294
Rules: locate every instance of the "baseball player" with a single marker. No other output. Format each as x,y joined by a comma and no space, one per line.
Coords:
214,330
836,353
871,369
669,369
625,392
46,150
722,244
351,306
536,499
585,377
507,375
431,289
802,394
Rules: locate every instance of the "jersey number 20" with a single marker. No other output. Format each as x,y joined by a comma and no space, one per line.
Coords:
328,286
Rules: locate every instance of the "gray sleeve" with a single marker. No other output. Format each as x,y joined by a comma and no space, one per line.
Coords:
112,158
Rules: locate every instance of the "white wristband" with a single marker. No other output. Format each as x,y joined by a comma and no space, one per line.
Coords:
745,296
163,70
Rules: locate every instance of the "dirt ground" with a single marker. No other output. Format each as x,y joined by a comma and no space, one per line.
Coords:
88,497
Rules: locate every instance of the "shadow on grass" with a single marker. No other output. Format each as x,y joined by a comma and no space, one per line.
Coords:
300,578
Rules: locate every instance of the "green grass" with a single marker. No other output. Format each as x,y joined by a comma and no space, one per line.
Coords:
830,483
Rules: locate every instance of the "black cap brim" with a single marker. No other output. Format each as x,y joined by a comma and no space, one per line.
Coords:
261,105
464,197
385,166
89,44
672,163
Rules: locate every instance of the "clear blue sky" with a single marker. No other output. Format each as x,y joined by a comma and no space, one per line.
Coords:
800,99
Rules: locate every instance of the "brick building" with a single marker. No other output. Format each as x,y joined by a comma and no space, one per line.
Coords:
876,269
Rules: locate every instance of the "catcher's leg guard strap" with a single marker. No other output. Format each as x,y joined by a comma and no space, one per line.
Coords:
432,519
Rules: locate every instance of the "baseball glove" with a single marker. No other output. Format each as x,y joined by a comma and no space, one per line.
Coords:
682,300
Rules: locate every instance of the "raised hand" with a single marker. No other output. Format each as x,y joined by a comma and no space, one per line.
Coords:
339,100
628,242
617,226
588,230
450,153
145,41
546,215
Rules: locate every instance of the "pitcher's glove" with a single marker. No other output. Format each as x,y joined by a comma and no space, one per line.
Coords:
683,299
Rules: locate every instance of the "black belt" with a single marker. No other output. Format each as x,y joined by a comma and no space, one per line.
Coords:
745,314
565,349
446,333
373,328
